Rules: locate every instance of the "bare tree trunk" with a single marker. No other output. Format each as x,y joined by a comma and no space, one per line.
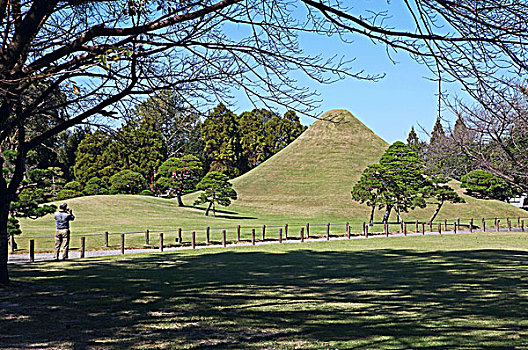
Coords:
387,214
372,215
435,213
4,211
400,219
208,208
180,202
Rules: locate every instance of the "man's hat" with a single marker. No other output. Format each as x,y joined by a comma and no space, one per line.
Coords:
63,206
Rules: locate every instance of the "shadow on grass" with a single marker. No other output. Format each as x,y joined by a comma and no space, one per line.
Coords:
224,214
303,298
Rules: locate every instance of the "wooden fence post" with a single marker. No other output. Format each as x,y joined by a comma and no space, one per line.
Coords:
280,235
286,231
224,243
302,234
31,250
439,228
106,238
180,235
497,223
518,221
483,225
263,233
386,229
509,223
471,225
238,233
348,230
147,241
193,240
327,231
83,247
416,226
445,224
307,230
122,243
455,227
207,233
12,242
364,227
522,225
423,228
404,229
161,241
458,222
253,236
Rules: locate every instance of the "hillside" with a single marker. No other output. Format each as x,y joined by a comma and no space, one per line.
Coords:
310,180
314,174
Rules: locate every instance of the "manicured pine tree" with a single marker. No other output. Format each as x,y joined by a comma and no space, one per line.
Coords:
216,190
179,175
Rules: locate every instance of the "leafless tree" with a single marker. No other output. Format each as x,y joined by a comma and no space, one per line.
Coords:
497,127
67,61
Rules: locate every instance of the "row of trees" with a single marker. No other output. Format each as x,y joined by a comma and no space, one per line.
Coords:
225,142
400,182
452,153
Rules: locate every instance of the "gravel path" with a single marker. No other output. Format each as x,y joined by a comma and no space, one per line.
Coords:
24,258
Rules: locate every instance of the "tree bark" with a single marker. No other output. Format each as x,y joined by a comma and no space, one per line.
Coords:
180,202
435,213
400,219
208,208
372,215
387,214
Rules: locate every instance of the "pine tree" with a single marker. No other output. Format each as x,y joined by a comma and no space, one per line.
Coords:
216,190
179,175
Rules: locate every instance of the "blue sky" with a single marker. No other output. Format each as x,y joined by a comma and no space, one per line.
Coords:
404,98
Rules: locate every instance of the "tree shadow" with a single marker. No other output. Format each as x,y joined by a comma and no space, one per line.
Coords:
304,298
224,214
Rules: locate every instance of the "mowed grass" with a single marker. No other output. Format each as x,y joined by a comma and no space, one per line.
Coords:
307,182
464,291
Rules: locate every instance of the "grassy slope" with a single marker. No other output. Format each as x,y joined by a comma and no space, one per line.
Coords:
464,291
310,180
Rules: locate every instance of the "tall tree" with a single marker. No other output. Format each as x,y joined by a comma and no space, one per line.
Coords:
171,118
281,131
221,135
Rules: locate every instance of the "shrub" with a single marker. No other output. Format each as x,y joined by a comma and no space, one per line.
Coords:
95,186
146,193
127,182
67,194
74,186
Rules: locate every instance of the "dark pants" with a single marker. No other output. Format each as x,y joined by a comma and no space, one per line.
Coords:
62,236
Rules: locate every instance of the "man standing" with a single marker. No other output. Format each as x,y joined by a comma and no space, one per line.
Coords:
62,223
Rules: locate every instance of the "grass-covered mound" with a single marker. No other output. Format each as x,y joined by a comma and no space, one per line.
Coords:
308,181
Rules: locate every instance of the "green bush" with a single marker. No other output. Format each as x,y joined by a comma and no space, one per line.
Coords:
146,193
95,186
74,186
127,182
67,194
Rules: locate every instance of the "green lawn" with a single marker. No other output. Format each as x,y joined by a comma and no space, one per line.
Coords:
464,291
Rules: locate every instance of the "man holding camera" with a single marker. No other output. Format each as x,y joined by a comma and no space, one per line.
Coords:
62,223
